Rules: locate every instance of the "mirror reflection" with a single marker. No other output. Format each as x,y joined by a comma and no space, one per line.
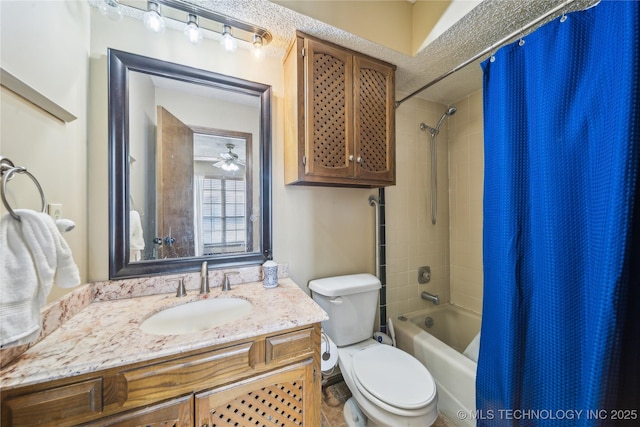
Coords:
190,160
191,188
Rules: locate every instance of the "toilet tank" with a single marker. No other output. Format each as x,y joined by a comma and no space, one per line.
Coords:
351,303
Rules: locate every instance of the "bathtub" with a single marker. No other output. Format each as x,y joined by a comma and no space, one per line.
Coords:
439,347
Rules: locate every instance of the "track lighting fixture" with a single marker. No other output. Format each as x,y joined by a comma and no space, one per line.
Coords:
198,22
152,19
192,30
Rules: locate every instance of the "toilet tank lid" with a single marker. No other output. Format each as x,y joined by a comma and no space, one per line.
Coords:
345,285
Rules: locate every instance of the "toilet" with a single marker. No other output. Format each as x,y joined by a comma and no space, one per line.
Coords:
389,386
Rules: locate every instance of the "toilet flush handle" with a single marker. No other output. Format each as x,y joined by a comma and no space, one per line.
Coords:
337,300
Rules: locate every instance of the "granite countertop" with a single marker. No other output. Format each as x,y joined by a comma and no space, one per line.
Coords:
106,334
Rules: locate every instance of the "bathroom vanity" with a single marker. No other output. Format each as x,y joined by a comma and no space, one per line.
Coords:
100,368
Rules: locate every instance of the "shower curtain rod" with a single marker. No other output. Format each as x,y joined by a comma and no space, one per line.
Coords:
494,46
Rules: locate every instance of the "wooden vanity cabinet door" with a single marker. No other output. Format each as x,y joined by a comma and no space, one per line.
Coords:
174,413
285,397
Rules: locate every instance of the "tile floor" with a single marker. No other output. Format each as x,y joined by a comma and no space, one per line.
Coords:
333,400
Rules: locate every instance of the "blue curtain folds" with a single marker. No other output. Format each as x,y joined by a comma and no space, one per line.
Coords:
560,342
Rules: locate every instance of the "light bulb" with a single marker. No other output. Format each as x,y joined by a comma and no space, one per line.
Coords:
152,18
192,31
227,41
111,9
257,46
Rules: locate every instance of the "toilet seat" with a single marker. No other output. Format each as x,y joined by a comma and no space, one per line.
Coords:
393,380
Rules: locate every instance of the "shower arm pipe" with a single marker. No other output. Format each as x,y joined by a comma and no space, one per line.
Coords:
514,34
373,201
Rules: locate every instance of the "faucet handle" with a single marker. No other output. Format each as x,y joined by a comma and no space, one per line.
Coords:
181,291
226,284
204,279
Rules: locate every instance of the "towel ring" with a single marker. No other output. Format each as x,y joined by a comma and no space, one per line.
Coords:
8,169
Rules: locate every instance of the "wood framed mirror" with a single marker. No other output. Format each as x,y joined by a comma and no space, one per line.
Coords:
189,168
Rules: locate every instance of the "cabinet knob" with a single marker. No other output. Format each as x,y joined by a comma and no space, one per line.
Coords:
351,158
359,159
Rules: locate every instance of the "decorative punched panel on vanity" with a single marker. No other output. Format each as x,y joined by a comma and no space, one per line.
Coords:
339,116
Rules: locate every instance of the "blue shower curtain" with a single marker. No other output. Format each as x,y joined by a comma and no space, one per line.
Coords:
560,342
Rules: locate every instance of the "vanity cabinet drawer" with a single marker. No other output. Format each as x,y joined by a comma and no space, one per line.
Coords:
173,413
49,407
289,345
165,379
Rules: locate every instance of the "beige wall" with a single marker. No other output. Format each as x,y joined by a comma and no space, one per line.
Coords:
412,241
466,178
388,22
318,231
401,25
46,44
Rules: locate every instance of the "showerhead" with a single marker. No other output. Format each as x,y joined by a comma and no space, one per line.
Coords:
450,112
434,131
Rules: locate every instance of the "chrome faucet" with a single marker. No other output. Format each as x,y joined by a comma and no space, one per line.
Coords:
226,284
204,279
430,297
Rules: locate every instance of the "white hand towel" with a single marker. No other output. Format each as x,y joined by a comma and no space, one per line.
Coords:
34,257
136,238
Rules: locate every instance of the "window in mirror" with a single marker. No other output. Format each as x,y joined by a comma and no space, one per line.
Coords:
190,168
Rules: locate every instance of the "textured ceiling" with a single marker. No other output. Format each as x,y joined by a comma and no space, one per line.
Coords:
486,24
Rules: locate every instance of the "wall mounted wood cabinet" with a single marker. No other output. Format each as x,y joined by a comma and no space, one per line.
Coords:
252,382
339,116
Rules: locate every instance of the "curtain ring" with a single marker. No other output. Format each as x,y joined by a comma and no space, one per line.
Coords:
564,12
8,173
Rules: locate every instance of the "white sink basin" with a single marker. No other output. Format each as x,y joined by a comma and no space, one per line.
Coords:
196,316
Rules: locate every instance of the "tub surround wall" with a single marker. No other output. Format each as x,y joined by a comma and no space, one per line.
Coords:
466,180
411,240
453,247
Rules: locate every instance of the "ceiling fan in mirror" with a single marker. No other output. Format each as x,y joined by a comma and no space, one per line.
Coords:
229,161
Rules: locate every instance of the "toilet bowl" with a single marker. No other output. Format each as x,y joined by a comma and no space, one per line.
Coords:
390,387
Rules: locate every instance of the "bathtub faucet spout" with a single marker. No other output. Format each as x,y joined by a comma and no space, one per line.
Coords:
430,297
